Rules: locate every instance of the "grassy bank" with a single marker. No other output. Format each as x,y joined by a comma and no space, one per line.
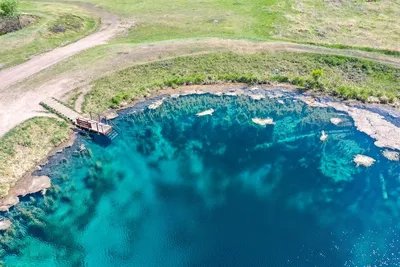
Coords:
56,25
342,76
24,146
352,23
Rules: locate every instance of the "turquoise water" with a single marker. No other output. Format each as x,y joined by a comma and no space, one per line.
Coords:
176,190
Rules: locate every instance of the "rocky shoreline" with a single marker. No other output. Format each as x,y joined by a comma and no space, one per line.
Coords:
29,183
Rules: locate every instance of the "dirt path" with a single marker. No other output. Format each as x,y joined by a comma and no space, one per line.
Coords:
21,101
110,26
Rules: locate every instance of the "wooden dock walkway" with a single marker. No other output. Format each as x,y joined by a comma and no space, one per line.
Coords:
61,109
77,119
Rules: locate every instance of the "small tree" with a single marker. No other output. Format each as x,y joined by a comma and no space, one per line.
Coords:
314,83
317,74
9,8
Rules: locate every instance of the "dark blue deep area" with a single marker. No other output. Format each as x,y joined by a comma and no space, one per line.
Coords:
174,189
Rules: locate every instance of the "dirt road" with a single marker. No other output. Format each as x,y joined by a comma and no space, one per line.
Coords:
110,26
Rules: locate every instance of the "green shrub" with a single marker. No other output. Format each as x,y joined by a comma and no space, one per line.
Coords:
279,78
9,8
299,81
317,74
118,98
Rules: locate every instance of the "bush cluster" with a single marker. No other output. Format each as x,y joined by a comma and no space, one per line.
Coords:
9,8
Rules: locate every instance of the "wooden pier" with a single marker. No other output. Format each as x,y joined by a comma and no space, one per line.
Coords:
88,124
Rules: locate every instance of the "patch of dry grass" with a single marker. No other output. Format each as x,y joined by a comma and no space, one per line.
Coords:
24,146
354,23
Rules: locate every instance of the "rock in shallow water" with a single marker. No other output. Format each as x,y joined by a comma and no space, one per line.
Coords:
263,122
335,121
323,137
363,160
156,104
205,113
391,155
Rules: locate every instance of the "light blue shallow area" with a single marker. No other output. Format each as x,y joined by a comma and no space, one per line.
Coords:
174,189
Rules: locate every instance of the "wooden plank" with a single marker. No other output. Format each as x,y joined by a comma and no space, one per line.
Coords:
84,124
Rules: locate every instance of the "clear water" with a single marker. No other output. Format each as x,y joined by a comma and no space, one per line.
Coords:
176,190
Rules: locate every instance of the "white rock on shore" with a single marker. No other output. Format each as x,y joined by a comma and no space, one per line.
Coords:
263,122
362,160
391,155
27,185
311,101
385,133
205,113
175,95
257,97
234,93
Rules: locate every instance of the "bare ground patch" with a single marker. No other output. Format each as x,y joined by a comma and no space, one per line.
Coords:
13,24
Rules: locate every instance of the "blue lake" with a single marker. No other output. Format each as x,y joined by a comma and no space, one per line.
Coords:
174,189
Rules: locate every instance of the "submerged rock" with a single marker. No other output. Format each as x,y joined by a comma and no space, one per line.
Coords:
324,136
5,224
263,122
383,186
205,113
156,104
335,121
82,147
391,155
363,160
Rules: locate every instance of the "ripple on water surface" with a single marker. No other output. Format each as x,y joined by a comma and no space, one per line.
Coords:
176,189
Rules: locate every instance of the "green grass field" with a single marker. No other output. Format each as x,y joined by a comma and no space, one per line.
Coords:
19,46
357,23
343,76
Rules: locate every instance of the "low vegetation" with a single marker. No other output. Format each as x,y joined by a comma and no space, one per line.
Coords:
345,77
25,145
54,25
9,8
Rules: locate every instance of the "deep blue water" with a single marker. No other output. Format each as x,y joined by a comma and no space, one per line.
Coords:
176,190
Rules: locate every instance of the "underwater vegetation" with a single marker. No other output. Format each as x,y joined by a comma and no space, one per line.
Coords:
176,189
